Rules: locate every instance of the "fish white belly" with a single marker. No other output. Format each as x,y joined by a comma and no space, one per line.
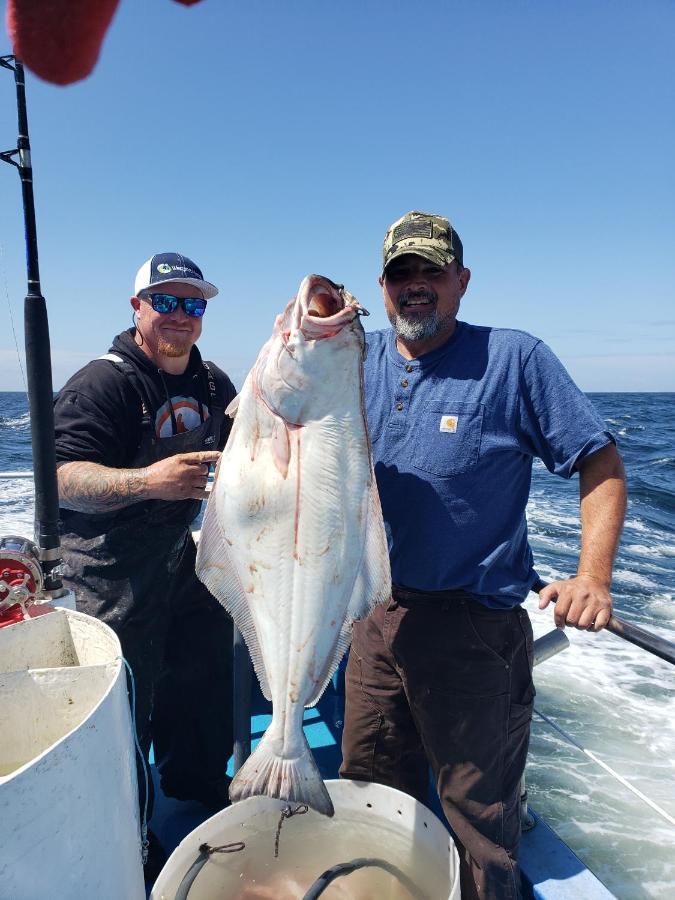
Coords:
293,541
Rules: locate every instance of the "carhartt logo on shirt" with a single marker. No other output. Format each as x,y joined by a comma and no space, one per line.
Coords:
449,423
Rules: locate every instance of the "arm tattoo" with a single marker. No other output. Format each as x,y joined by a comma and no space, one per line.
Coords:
91,488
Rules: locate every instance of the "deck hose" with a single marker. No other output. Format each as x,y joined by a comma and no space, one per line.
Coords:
341,869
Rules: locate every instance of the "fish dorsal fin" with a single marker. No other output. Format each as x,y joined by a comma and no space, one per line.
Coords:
372,583
216,568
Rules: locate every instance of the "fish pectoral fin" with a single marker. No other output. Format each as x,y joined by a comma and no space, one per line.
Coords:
232,407
296,780
281,446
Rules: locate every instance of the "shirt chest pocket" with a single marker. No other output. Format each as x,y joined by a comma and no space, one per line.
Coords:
448,437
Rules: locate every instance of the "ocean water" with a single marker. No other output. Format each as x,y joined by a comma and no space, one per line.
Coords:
611,697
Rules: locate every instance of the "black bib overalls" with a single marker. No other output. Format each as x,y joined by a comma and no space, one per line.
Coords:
134,569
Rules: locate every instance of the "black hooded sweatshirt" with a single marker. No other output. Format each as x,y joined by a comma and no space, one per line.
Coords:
98,413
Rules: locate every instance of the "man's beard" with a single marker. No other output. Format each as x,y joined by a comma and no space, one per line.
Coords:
416,327
173,349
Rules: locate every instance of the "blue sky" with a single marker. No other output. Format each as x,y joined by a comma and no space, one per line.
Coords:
270,139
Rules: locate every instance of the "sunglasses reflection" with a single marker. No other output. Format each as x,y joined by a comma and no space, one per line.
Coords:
168,303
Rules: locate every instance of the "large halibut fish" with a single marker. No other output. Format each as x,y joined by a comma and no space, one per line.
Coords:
293,542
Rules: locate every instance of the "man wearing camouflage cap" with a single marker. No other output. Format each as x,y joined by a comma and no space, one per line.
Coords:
443,674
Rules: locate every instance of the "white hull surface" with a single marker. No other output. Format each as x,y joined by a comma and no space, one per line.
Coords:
68,791
371,821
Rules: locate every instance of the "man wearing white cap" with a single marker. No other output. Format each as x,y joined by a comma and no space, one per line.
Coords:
136,432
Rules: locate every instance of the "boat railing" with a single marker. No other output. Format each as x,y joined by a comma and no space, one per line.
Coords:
555,642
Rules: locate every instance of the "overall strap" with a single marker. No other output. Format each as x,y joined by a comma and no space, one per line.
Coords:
211,381
128,370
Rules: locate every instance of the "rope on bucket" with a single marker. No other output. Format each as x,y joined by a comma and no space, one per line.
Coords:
144,823
342,869
286,813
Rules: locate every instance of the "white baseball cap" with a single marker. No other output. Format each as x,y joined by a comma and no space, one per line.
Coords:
163,268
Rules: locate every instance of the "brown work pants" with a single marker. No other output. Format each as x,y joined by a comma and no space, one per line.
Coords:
443,680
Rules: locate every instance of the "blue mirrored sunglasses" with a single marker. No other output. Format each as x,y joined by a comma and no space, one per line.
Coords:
168,303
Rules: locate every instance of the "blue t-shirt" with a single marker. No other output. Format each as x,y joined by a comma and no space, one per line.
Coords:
454,433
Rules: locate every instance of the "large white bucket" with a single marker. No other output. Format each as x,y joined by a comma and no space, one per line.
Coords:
68,793
370,821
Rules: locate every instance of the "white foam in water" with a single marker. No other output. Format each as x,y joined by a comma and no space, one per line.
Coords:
618,702
21,421
636,525
613,698
656,550
16,507
630,577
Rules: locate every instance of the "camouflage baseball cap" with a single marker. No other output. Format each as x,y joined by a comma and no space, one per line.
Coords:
424,234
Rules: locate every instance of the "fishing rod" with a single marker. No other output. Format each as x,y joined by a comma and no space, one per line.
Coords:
642,638
38,364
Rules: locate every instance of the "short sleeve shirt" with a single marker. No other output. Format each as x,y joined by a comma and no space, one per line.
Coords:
454,435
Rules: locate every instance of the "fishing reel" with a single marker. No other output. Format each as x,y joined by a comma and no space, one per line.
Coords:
21,579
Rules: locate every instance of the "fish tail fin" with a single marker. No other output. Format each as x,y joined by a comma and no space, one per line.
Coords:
297,780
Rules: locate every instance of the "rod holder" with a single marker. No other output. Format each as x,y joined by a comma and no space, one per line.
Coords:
549,645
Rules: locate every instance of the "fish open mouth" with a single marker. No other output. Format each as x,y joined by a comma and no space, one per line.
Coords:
324,305
328,299
321,309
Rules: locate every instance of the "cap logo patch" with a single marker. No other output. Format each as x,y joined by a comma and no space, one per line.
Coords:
164,268
413,229
449,424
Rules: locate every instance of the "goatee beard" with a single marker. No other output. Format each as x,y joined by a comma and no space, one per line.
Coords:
172,349
417,327
416,330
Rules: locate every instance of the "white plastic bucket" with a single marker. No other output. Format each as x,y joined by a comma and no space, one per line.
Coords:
68,792
370,821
